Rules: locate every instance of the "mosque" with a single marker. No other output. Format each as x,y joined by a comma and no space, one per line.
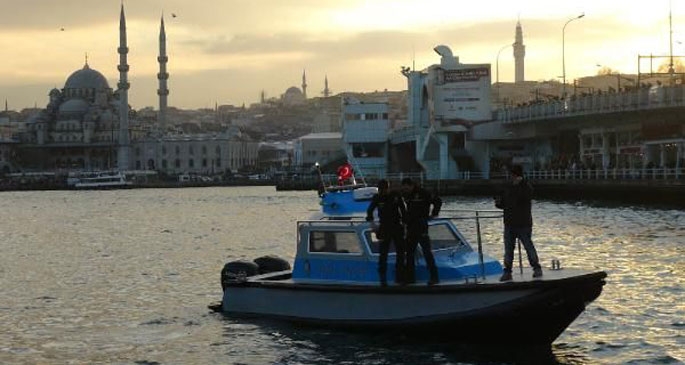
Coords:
87,125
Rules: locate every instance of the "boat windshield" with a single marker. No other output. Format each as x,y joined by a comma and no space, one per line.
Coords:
441,236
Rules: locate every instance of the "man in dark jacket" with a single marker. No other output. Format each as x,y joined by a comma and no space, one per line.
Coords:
419,202
518,221
391,211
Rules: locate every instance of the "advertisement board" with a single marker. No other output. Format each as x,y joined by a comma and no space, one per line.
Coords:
463,93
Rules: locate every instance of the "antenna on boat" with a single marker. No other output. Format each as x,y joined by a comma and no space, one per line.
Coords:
318,169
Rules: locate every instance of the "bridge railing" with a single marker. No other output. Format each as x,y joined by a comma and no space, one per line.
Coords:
607,102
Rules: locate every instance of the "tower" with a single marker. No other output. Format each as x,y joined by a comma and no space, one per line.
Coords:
304,84
162,76
326,90
519,54
124,142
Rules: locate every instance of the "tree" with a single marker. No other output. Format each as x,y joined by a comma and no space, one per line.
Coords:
606,70
678,66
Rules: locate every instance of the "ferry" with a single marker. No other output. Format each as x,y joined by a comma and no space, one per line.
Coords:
100,180
334,282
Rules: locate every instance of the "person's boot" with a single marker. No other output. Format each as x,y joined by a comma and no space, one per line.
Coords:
506,276
537,272
384,281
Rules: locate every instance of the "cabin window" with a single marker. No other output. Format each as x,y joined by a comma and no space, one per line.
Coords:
442,237
334,242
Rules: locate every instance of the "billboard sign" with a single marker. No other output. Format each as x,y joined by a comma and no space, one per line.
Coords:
463,93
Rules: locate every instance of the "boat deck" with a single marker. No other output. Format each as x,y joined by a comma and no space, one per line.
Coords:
519,277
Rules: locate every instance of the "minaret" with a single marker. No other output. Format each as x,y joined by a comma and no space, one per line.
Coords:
519,54
304,84
124,142
326,91
162,76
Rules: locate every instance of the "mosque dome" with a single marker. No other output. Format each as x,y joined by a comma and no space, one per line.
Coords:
293,96
293,91
74,106
86,78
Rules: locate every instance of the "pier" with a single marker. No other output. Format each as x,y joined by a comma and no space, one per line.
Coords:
632,186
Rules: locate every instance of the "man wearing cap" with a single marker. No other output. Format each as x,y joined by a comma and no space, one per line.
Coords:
391,211
518,221
419,202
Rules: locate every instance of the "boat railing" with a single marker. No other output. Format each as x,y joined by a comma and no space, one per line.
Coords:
477,215
327,220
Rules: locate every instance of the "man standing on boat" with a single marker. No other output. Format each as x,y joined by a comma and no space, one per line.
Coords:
391,211
518,221
419,202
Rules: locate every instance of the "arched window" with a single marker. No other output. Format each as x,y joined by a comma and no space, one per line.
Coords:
204,150
191,163
164,150
190,150
177,163
218,150
178,150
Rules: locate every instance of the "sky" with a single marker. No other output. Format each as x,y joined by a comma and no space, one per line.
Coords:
229,51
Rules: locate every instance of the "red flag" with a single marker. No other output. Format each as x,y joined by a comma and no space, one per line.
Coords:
345,172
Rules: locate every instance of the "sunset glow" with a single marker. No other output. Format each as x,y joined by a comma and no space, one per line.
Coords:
239,49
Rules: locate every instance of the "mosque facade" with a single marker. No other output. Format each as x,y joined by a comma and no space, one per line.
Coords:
88,126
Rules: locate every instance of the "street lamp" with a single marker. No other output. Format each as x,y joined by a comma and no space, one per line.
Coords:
563,52
497,67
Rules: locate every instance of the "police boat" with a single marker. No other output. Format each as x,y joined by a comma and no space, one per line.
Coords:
334,282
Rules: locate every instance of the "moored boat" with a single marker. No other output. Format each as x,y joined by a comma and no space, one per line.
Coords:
334,282
100,180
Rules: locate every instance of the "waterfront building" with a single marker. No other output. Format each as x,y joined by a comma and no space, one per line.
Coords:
274,157
85,124
318,147
204,154
444,100
79,128
365,136
7,145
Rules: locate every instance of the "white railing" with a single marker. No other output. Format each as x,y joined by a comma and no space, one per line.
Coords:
604,174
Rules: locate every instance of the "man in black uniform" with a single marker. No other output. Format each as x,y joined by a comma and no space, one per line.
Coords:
518,221
419,202
391,211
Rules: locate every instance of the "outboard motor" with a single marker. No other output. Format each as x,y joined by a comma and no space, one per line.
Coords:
271,263
236,270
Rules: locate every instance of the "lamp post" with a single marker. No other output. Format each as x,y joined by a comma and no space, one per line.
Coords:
563,51
497,68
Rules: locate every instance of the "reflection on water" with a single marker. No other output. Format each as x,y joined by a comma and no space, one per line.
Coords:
126,276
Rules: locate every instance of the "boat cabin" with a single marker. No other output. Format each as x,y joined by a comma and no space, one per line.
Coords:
347,250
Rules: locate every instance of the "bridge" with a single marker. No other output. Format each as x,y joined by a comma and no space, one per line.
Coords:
642,99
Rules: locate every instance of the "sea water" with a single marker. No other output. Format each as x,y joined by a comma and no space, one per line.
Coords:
125,277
